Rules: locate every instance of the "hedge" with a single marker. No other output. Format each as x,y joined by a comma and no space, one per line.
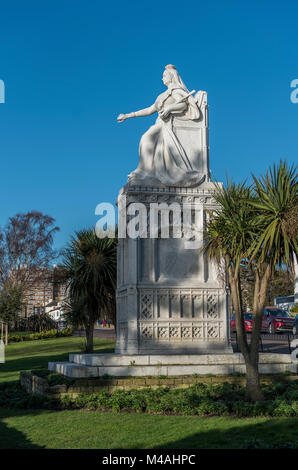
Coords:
281,399
13,338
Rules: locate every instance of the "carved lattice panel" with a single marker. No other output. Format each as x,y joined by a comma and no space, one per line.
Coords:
186,332
146,332
174,332
163,332
146,306
211,306
212,331
197,332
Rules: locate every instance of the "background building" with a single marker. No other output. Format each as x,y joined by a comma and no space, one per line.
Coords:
44,294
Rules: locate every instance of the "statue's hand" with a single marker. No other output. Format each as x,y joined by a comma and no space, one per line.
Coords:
121,117
165,113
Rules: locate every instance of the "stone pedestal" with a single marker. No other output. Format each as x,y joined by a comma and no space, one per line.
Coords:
170,298
115,365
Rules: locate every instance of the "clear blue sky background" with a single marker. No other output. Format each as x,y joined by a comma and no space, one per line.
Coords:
70,67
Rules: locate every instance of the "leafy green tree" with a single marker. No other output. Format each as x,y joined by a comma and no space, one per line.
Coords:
89,266
281,284
11,302
294,310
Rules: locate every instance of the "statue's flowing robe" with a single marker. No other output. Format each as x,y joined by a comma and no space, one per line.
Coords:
162,156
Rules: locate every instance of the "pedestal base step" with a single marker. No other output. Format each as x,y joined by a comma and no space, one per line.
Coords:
97,365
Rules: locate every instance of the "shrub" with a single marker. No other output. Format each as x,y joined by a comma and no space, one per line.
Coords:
41,335
283,409
209,407
199,399
119,400
263,408
295,407
242,409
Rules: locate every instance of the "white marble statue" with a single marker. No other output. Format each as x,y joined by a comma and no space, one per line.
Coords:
162,156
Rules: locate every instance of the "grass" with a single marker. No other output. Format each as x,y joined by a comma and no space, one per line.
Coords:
29,355
77,429
81,429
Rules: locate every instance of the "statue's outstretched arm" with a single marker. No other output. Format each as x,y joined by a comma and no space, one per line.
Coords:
143,112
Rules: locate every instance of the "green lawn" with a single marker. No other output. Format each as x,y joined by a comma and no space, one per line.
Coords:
98,430
72,429
29,355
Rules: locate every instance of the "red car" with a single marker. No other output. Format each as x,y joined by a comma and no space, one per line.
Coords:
277,320
248,323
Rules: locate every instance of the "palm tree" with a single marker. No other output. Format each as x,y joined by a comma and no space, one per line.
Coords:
255,227
89,265
275,206
229,235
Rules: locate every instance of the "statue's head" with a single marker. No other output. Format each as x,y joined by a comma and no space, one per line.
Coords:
168,75
172,78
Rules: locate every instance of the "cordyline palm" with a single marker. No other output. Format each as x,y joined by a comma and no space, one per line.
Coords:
90,266
255,226
229,235
275,207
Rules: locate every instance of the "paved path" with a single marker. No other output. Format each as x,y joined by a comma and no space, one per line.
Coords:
102,333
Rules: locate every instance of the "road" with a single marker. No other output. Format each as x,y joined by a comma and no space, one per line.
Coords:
277,343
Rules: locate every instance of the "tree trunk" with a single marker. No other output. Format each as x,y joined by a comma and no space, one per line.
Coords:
253,389
89,338
236,299
249,351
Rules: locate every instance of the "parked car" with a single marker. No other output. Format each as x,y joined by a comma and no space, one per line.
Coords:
295,326
277,320
248,322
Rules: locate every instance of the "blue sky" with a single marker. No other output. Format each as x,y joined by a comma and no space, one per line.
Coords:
70,67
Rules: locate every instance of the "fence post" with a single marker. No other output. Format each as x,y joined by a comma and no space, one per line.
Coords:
261,343
6,334
289,343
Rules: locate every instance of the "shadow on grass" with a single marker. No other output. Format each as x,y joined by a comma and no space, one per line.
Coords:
11,438
196,433
271,433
